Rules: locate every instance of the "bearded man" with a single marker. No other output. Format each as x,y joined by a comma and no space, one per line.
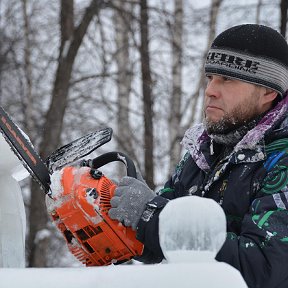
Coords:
238,157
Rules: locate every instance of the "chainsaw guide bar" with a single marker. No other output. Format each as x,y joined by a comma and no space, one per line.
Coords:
24,151
63,156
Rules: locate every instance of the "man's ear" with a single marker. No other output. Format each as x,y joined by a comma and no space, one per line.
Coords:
268,97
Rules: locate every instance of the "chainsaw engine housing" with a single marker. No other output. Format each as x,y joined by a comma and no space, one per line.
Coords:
80,212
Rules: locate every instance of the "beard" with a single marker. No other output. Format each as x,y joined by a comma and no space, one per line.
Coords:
239,117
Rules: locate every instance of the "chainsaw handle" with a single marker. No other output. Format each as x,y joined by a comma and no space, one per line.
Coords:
111,157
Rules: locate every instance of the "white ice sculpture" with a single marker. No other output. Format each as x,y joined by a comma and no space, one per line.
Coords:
192,230
12,213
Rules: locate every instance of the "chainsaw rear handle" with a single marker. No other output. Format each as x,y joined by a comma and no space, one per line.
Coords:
111,157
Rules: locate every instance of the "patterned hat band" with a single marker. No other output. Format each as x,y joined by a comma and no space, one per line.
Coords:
257,70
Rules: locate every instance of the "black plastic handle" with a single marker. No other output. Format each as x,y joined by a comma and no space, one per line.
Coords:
112,157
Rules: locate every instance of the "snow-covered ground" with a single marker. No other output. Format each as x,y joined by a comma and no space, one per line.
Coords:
216,275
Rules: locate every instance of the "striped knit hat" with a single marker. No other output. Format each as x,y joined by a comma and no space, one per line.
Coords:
252,53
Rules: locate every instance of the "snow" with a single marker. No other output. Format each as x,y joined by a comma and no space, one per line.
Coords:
56,185
12,212
125,276
56,189
66,47
241,157
42,234
122,158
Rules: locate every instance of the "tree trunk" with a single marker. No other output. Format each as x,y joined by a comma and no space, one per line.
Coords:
28,100
283,20
147,95
71,39
258,10
175,100
122,20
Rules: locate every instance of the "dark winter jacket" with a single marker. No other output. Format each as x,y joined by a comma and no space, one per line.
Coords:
250,183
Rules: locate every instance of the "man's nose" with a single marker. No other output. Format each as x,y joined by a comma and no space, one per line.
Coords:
213,87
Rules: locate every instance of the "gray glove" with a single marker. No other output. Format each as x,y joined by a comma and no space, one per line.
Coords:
129,201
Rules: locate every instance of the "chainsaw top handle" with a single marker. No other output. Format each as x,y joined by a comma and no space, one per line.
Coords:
111,157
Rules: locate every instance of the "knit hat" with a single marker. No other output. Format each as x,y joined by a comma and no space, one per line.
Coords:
252,53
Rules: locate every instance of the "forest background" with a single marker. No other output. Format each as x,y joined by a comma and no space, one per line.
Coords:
71,67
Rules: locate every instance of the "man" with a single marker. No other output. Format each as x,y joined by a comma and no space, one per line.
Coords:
238,157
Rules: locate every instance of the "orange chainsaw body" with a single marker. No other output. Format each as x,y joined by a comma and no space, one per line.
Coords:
81,214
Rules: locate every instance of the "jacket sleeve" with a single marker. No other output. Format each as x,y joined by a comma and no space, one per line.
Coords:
148,231
260,252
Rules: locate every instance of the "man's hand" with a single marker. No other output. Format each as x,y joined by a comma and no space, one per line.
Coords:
129,201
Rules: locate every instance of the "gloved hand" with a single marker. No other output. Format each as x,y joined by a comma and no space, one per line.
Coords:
129,201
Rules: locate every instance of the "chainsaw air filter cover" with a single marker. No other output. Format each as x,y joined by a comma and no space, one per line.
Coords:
81,214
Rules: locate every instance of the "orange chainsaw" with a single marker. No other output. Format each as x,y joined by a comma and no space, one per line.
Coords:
80,210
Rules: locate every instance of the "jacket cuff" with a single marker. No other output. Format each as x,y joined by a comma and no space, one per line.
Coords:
152,207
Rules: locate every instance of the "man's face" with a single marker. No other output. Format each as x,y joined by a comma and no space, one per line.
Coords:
231,103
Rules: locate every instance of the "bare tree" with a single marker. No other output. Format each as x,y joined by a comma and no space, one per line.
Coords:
283,18
122,22
28,100
147,90
258,10
71,39
176,96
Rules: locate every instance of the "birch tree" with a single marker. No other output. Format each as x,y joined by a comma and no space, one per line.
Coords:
122,23
176,96
28,100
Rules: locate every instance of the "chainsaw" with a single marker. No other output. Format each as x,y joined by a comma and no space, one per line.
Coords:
81,214
80,211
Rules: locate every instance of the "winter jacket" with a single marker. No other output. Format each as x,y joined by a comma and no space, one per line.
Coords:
250,183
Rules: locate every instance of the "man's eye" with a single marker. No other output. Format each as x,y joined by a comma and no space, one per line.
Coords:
226,79
209,77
